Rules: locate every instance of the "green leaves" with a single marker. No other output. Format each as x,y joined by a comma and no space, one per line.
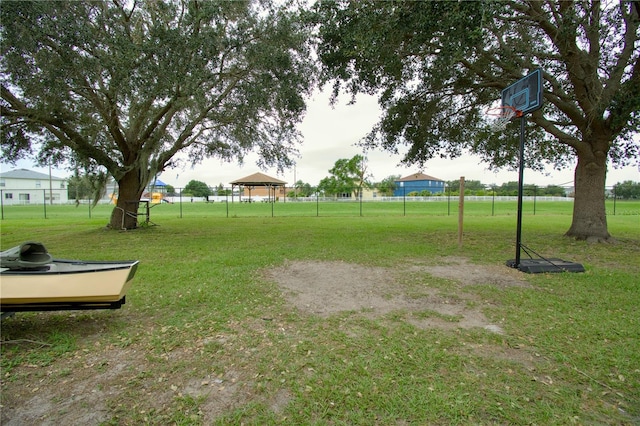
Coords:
130,85
197,189
437,65
347,176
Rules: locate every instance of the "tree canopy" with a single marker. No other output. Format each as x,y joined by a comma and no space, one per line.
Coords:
437,66
627,190
348,175
301,189
125,86
469,185
197,189
387,185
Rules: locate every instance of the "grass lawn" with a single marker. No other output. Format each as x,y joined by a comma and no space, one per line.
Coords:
444,207
208,336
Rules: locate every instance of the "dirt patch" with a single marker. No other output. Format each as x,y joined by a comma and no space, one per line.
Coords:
459,269
328,288
86,380
92,386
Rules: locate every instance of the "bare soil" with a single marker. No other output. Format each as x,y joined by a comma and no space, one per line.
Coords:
327,288
69,391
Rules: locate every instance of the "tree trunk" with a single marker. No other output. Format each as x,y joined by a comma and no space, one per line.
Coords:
124,215
589,213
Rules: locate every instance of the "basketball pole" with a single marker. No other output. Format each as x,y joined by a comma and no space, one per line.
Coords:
523,97
520,188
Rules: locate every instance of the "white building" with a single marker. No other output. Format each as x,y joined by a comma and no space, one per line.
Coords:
24,186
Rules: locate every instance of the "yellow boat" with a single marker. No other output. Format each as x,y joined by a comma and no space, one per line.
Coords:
31,280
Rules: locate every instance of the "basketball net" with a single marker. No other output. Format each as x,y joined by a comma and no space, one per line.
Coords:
501,117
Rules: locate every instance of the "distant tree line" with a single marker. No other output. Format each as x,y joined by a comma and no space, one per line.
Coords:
475,187
82,187
627,190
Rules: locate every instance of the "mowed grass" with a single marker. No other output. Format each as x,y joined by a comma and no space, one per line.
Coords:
201,308
445,206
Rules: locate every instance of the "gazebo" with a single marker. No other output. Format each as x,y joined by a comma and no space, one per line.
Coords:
263,184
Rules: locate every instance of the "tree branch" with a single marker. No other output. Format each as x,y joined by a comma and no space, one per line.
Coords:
581,71
628,49
57,127
550,128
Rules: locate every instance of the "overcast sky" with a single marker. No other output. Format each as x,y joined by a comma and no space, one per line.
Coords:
330,133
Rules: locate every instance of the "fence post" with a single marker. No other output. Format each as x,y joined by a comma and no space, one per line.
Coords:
44,202
2,203
404,199
461,212
493,200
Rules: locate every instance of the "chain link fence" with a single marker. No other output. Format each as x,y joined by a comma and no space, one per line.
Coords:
235,202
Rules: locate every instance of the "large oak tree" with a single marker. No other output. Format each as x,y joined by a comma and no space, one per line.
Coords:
124,86
437,66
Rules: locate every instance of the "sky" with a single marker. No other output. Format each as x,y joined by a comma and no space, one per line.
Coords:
330,133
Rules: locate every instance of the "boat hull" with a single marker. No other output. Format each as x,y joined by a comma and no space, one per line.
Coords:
66,284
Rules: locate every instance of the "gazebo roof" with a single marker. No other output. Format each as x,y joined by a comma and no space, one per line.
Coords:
258,179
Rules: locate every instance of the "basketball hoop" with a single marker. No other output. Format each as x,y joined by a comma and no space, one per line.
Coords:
502,115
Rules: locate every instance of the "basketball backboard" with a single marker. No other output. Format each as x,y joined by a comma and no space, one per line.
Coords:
525,95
